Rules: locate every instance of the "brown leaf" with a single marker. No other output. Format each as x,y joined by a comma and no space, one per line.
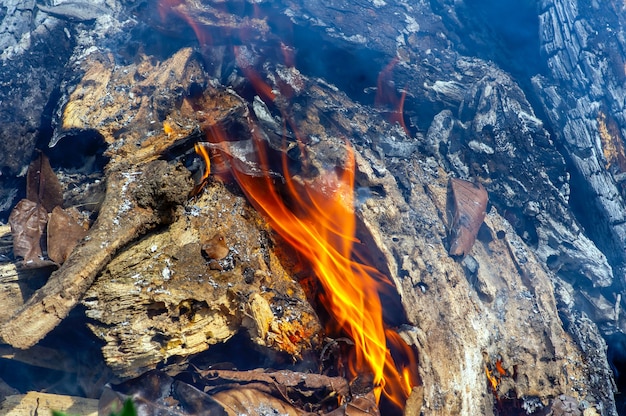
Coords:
42,184
467,203
28,222
362,405
64,232
254,403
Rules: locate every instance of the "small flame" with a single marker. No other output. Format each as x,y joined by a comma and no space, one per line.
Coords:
499,368
493,381
495,377
204,153
386,95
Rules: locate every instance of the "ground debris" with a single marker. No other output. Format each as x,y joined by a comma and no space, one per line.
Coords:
235,392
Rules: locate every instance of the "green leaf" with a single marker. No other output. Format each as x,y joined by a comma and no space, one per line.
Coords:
127,410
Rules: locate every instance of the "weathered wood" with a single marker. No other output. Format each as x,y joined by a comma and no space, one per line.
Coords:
17,284
459,313
141,193
161,297
126,193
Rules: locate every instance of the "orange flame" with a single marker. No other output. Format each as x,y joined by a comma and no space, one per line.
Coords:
499,368
202,151
317,218
493,381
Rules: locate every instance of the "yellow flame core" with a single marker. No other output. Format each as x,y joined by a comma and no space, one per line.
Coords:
202,151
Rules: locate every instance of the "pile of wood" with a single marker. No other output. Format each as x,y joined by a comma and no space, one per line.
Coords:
168,271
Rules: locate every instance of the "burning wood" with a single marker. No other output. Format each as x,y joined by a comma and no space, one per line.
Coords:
318,220
315,215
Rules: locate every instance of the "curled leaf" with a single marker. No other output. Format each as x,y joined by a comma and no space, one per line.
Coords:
64,232
28,222
253,402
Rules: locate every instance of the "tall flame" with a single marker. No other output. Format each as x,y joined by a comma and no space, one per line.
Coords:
317,218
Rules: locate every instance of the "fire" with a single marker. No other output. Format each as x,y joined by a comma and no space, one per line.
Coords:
317,218
202,151
493,381
495,378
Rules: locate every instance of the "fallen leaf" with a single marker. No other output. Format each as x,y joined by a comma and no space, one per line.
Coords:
253,402
467,203
28,222
64,232
157,394
42,184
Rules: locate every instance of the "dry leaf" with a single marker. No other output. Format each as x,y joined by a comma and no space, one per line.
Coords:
64,232
28,222
253,402
362,405
467,203
42,184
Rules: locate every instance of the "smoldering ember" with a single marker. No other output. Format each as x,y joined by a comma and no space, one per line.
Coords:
313,207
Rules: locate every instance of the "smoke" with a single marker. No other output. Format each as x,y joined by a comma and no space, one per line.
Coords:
512,27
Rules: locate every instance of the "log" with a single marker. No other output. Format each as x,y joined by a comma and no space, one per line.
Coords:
463,315
141,194
162,297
